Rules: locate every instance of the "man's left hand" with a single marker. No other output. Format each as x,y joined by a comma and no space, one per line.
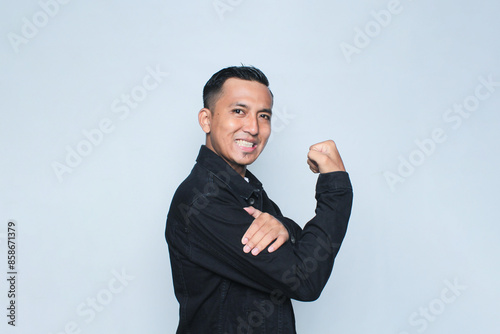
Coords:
264,229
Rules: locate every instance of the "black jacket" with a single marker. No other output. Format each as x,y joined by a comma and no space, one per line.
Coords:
220,288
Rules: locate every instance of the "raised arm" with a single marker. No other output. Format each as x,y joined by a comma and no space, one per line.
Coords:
301,267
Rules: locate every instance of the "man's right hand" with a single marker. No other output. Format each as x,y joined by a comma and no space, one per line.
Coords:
325,158
264,230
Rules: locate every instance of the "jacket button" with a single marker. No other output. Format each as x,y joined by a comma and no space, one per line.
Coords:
251,201
292,239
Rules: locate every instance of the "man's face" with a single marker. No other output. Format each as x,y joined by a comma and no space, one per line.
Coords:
239,122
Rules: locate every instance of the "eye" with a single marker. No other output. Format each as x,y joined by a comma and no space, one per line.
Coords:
266,116
238,111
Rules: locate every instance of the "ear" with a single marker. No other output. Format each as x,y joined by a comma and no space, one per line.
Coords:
204,118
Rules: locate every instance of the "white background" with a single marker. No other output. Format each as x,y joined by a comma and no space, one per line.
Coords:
409,238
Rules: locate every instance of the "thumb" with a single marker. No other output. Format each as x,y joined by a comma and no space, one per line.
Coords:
314,154
316,157
252,211
319,147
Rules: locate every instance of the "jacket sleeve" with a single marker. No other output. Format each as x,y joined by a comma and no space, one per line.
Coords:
294,230
212,226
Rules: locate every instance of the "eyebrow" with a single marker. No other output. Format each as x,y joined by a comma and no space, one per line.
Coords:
240,104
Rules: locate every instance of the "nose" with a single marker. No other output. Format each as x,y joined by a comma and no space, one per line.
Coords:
251,125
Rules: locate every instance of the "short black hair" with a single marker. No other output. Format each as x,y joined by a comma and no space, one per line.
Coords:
213,87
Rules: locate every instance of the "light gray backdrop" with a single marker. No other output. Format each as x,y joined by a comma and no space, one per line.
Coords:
99,105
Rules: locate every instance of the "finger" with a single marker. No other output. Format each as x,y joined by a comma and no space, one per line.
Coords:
326,147
329,149
256,239
277,244
313,166
259,228
319,147
317,157
326,162
316,148
254,227
264,242
273,230
253,211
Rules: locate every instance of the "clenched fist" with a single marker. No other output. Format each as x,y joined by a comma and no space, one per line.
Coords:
324,158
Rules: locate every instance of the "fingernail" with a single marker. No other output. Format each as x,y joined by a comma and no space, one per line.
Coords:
245,240
246,249
255,251
270,249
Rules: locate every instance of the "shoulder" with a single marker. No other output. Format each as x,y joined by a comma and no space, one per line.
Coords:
198,186
191,186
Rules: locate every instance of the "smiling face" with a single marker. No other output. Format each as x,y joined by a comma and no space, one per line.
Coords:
239,122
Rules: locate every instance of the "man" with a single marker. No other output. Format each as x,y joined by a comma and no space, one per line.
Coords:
236,260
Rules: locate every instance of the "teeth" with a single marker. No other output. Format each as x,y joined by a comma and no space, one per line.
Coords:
244,143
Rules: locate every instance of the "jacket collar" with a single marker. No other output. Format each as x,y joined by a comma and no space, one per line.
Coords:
227,175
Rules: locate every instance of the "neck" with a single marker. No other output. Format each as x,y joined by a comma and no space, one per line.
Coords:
240,169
